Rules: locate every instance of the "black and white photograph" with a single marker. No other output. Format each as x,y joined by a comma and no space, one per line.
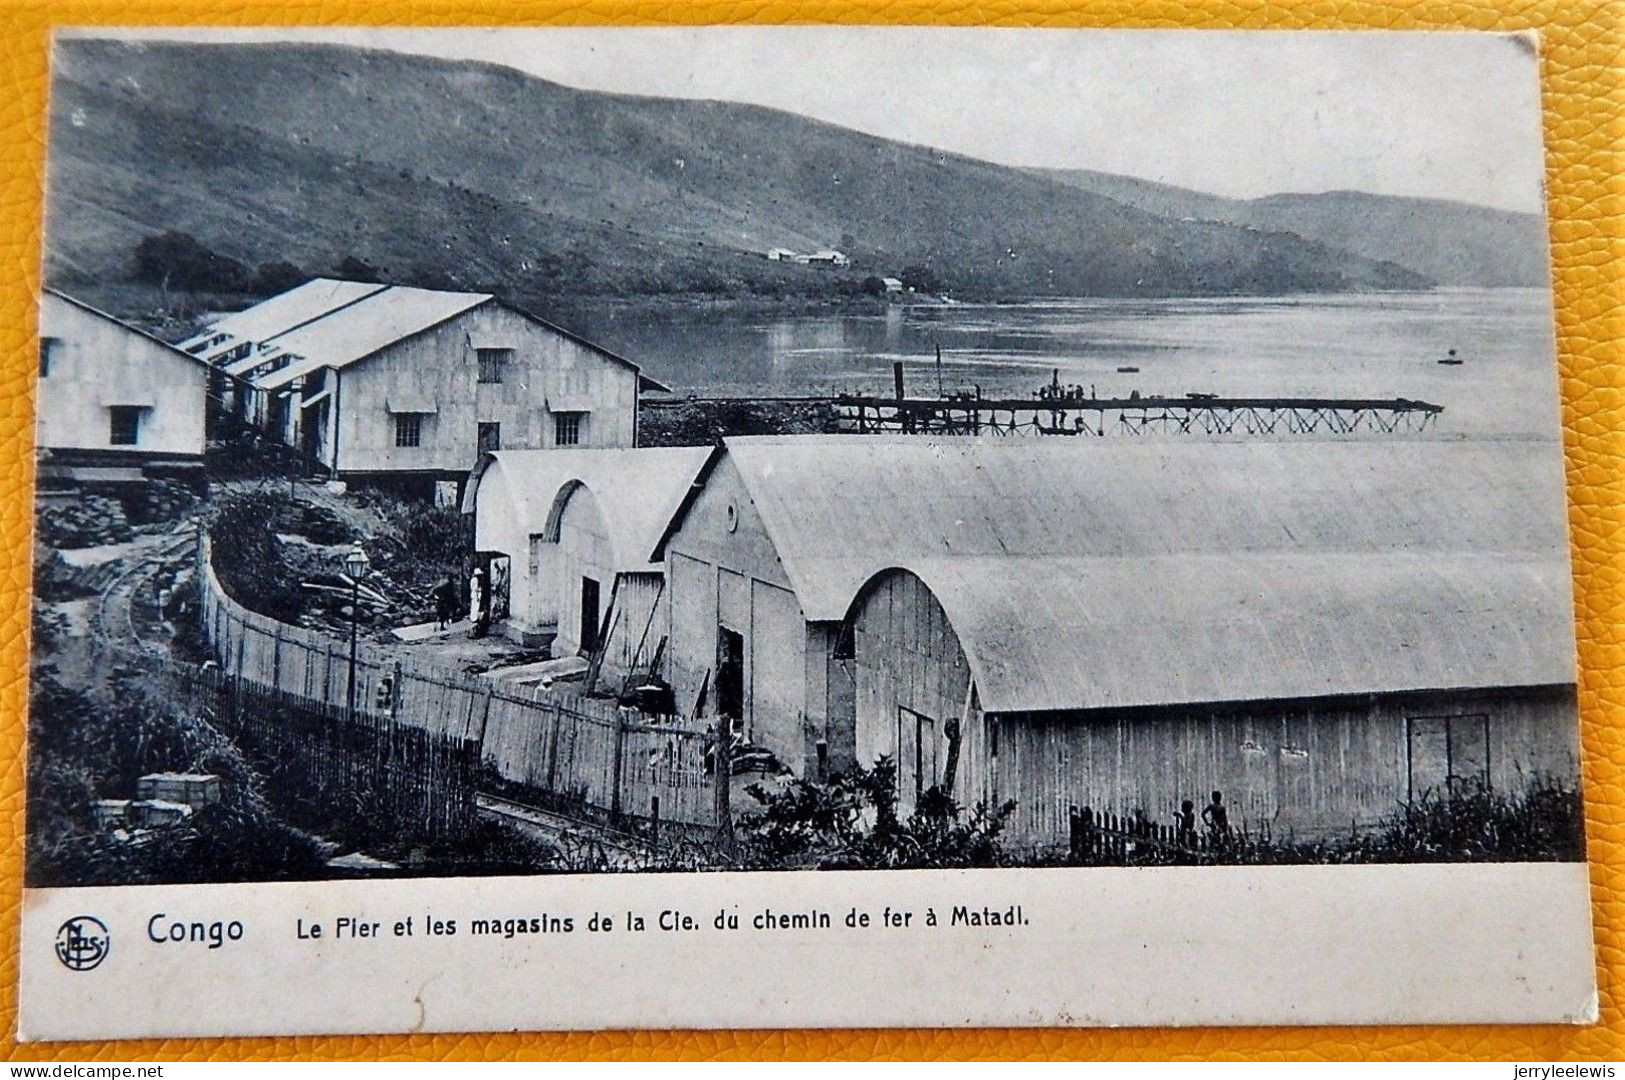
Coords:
780,451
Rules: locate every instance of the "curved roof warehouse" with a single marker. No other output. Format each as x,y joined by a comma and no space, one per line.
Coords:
853,596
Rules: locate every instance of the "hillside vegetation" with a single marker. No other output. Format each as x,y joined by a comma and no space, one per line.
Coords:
1453,243
459,174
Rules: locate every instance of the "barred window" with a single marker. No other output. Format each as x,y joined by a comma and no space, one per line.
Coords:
566,429
47,346
492,361
408,429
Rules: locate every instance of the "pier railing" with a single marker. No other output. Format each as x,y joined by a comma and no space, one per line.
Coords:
1078,414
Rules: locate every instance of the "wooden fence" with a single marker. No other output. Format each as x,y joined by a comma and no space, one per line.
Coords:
356,779
582,756
1098,838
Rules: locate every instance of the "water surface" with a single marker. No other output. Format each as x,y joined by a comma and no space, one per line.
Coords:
1367,345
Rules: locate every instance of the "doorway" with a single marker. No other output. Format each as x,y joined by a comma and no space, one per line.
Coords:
916,756
589,615
730,674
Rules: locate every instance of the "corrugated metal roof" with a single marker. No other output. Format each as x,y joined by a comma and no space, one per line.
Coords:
638,490
841,508
283,376
382,318
1066,634
293,308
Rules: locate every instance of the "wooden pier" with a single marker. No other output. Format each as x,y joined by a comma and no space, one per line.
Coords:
1069,414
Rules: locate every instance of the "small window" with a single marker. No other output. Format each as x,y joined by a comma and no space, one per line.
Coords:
408,429
492,361
566,429
490,437
125,428
846,641
47,347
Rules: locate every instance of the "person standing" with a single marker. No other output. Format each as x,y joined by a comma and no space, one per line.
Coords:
1185,824
1217,819
476,602
445,602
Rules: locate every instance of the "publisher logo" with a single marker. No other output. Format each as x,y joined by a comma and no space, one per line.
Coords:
82,942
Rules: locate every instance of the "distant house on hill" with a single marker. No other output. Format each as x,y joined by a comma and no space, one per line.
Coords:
828,257
779,254
406,387
894,286
113,395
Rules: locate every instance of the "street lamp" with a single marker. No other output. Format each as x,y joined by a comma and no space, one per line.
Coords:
355,564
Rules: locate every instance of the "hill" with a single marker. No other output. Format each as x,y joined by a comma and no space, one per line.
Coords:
1454,243
473,175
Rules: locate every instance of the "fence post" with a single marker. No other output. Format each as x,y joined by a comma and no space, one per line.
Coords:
654,820
724,780
276,658
620,751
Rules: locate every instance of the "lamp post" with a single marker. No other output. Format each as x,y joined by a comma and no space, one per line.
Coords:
355,564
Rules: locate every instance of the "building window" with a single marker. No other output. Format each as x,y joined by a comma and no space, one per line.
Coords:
125,429
1447,755
492,361
566,429
490,437
47,346
408,429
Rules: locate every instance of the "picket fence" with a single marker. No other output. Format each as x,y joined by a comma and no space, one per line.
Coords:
587,757
1102,838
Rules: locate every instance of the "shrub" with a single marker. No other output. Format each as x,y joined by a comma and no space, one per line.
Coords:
851,823
248,557
357,269
1545,822
178,260
82,747
920,279
277,277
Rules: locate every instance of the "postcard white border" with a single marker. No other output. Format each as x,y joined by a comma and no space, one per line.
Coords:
1499,943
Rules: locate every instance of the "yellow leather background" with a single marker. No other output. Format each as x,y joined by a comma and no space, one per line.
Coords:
1584,104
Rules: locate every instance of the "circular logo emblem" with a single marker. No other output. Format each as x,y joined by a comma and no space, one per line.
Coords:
82,942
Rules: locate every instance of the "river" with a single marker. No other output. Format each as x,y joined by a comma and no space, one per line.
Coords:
1348,345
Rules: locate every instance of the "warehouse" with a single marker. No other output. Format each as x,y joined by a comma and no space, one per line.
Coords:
111,395
765,559
406,387
576,530
1407,630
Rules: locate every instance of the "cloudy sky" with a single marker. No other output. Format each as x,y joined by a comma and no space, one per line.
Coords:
1445,115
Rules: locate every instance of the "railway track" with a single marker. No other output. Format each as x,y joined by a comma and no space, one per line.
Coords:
584,845
127,615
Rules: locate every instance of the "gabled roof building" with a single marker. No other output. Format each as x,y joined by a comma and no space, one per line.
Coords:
110,395
409,386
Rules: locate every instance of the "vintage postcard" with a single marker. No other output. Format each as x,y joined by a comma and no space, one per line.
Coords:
770,527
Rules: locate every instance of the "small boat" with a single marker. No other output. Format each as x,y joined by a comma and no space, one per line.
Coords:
1451,359
1128,369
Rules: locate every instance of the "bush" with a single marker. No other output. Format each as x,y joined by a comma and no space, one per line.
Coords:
82,748
177,260
277,277
248,556
1543,823
357,269
920,279
851,823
